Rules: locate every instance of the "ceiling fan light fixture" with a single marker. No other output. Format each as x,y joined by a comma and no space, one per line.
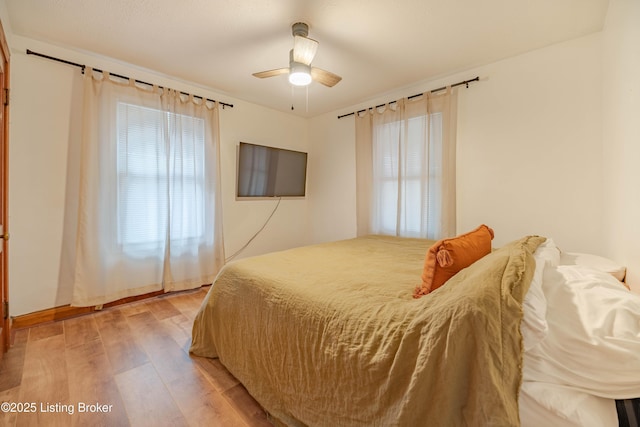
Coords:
300,57
299,74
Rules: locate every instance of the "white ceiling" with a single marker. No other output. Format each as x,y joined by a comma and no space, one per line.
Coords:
375,45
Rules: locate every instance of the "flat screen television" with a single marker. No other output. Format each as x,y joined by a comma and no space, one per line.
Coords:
270,172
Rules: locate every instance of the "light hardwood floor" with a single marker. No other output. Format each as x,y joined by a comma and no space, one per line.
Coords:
133,360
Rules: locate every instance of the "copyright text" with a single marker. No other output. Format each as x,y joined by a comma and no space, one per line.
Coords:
55,407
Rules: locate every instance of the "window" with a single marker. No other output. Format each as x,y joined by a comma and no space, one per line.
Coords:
152,173
407,174
406,167
150,212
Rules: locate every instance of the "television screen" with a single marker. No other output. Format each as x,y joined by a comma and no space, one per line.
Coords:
270,172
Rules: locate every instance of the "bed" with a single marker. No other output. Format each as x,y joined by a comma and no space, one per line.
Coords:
331,334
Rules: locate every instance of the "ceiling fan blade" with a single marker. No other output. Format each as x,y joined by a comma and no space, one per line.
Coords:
325,77
271,73
304,49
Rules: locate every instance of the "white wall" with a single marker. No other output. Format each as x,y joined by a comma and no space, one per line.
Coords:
39,137
46,101
529,146
243,218
332,178
621,135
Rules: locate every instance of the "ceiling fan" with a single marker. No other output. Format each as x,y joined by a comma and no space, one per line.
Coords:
300,71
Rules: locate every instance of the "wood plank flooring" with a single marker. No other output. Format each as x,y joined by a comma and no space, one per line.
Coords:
126,365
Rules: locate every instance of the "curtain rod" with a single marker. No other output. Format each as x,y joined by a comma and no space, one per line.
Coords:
83,67
466,82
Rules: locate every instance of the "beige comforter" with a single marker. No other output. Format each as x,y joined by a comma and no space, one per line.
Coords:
329,335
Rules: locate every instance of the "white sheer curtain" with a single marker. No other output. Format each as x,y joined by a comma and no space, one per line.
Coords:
150,211
405,167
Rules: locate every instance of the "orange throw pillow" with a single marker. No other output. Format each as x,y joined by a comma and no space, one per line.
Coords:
448,256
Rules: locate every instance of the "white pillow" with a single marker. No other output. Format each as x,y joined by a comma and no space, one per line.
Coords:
593,342
549,252
534,322
594,261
